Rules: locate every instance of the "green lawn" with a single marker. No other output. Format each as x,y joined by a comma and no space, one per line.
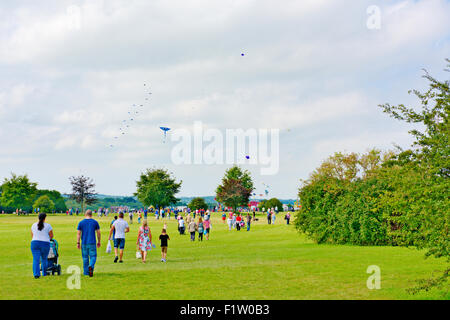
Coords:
269,262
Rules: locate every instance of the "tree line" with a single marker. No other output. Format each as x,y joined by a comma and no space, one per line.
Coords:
400,197
19,193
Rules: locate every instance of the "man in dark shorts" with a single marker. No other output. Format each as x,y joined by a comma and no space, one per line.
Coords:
119,228
164,237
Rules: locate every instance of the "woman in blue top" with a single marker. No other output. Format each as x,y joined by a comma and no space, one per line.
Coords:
41,234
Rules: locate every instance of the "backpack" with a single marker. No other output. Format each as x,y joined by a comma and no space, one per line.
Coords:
200,227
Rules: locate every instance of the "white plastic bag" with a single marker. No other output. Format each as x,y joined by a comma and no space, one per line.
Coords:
138,255
108,247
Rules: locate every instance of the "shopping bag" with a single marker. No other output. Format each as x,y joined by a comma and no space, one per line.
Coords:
108,247
138,255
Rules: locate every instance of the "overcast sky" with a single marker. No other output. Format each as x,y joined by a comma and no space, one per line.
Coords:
311,68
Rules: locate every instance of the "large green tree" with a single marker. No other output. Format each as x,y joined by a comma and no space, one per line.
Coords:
18,192
419,196
44,204
236,188
156,187
55,197
197,203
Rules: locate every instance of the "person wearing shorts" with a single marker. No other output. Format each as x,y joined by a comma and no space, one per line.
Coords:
120,227
164,237
207,226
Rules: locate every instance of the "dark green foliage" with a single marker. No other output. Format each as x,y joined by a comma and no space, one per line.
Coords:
55,197
44,204
157,188
108,202
197,203
271,203
17,193
401,198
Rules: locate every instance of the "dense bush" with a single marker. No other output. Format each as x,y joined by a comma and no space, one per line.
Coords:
399,198
44,204
340,206
197,203
271,203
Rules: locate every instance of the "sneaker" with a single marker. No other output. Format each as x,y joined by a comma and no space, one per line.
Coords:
162,260
36,277
115,259
121,261
91,272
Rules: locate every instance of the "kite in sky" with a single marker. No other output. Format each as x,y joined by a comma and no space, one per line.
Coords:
165,129
123,128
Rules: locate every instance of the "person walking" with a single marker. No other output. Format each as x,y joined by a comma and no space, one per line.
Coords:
287,217
249,220
200,229
181,225
230,222
233,217
269,217
273,216
144,240
164,237
238,222
224,216
192,227
86,231
120,227
110,226
207,226
41,234
130,214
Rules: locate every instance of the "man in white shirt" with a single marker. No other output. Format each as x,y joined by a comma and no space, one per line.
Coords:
181,225
120,226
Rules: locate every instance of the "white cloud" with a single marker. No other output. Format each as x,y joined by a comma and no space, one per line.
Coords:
309,66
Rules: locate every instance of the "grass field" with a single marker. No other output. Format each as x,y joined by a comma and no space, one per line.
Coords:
269,262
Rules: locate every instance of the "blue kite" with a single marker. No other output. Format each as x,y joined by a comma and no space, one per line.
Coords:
165,129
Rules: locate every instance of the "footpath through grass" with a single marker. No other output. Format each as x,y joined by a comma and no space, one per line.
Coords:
269,262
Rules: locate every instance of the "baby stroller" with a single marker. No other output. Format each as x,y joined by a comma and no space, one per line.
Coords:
52,259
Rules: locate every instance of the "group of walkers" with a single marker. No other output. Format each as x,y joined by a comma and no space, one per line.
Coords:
202,227
272,216
89,240
238,221
89,236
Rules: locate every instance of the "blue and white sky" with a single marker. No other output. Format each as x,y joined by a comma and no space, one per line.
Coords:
311,66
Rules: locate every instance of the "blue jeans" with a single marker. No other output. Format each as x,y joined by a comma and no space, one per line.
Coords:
248,226
40,250
89,254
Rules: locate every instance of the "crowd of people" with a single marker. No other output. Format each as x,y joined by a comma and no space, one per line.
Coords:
198,222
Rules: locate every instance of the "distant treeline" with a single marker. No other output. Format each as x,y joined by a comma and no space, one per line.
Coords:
107,202
18,193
